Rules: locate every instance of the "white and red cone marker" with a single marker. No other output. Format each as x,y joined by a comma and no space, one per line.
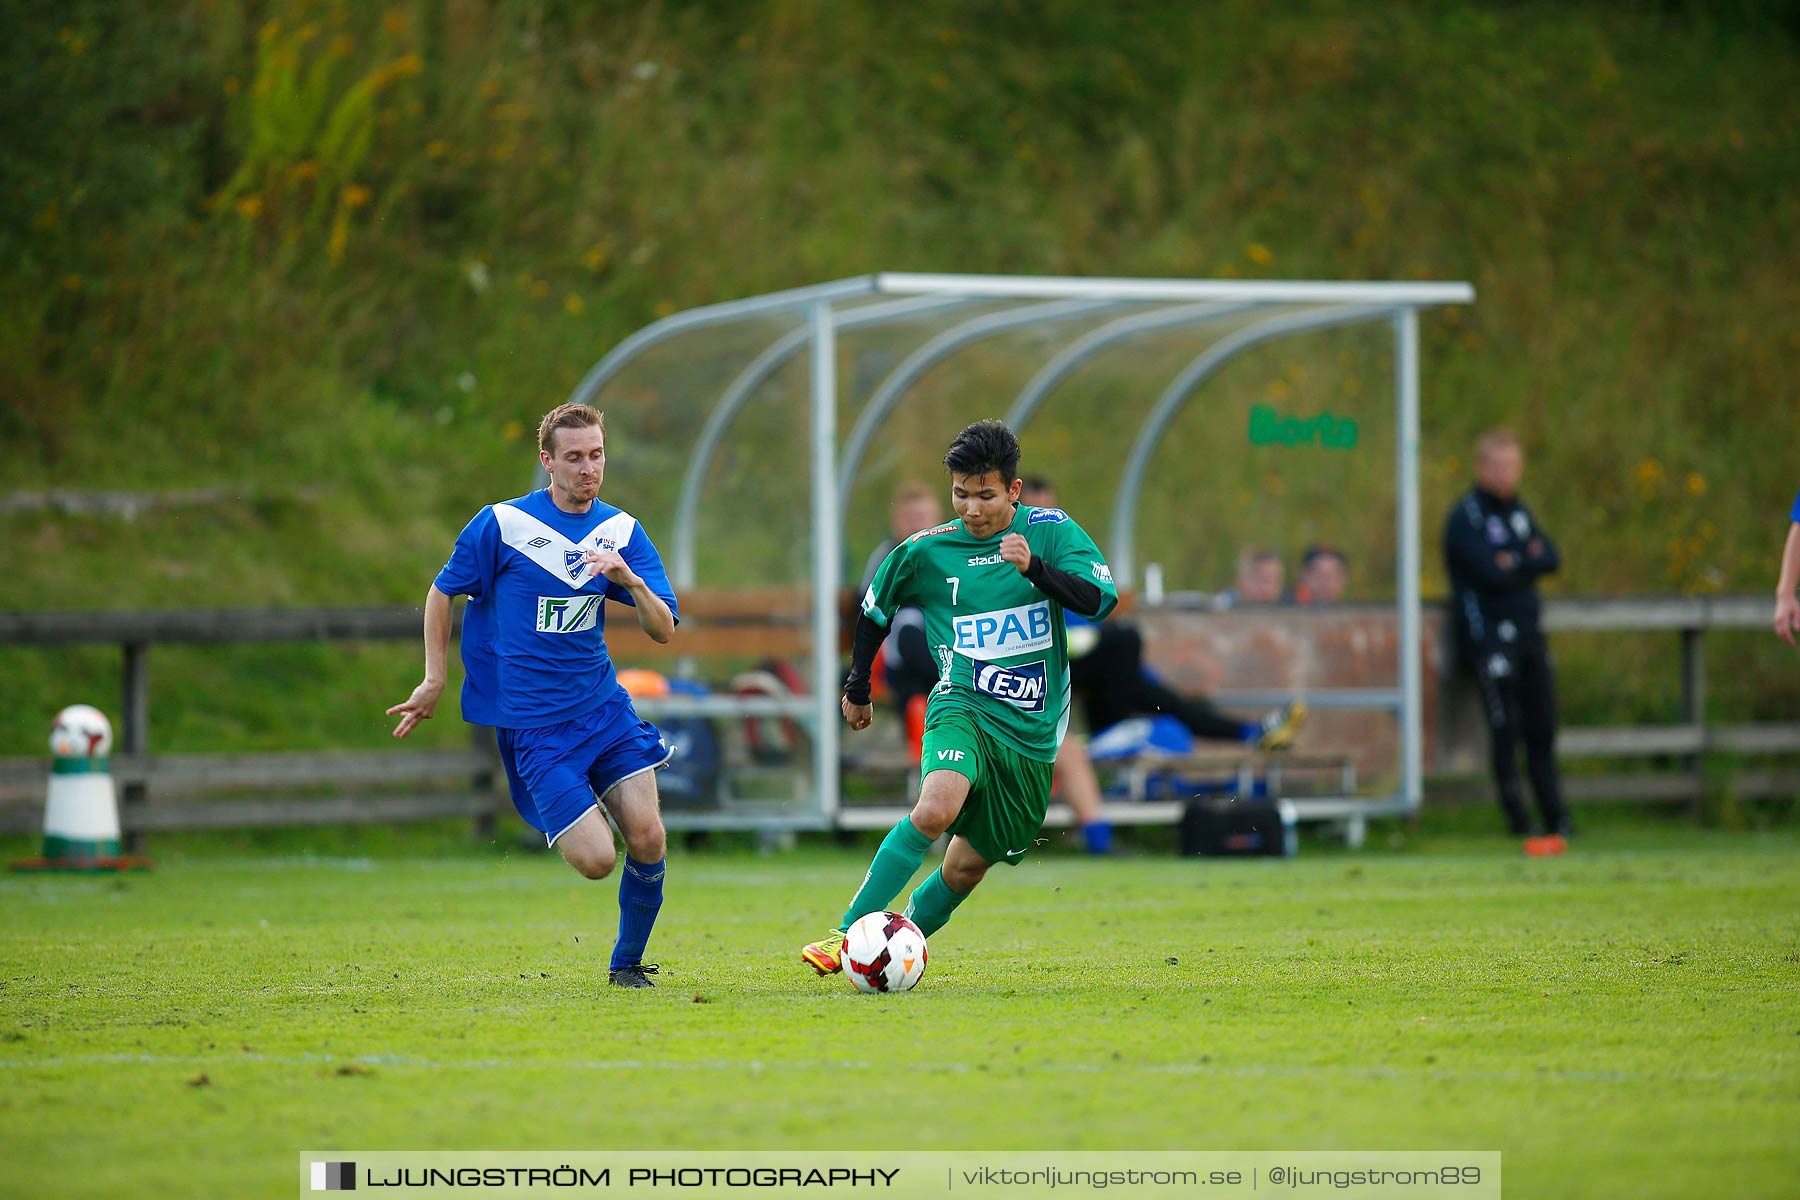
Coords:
81,811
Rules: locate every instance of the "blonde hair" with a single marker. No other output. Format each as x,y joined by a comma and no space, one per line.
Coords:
1494,439
912,490
573,415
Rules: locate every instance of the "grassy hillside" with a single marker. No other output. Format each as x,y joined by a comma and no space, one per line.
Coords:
330,261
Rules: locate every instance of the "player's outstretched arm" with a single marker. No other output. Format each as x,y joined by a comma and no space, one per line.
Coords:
865,642
1787,609
422,704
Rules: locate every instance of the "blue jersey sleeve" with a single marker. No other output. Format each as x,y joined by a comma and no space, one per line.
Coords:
1795,515
470,571
640,555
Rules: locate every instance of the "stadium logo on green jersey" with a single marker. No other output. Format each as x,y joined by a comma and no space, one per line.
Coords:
1270,428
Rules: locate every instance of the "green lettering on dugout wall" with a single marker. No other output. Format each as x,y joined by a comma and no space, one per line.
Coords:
1270,428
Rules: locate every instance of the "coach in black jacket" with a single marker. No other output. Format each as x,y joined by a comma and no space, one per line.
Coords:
1496,552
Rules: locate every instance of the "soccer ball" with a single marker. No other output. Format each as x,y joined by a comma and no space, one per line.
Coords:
884,952
81,731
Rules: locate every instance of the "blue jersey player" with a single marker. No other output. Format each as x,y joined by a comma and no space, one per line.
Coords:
538,572
1787,608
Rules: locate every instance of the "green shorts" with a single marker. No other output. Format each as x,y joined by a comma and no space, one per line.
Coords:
1008,793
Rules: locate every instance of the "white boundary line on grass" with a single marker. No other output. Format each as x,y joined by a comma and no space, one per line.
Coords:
706,1065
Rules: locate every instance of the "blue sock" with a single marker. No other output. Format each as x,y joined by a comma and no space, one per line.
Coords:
1252,732
1098,836
640,899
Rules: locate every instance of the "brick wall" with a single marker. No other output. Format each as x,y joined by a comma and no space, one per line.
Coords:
1298,649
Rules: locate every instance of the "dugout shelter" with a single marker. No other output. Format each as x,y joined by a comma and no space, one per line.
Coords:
744,432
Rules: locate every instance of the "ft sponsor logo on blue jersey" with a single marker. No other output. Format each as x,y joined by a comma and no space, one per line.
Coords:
1021,686
568,614
1004,632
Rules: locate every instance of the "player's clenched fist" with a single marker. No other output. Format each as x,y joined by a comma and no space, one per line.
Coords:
611,565
858,716
1016,550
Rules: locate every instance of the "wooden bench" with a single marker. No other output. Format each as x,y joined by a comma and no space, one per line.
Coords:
1244,767
1327,791
232,791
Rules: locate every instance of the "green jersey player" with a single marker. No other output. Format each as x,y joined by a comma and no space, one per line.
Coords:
993,585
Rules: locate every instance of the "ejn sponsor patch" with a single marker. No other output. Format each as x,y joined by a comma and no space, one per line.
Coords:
1021,686
568,614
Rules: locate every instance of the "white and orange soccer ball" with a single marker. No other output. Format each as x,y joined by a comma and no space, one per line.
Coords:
81,731
884,952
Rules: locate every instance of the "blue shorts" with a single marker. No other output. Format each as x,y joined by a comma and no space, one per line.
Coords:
556,772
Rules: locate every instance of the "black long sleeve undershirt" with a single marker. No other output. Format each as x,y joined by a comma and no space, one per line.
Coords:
1077,595
865,643
1073,593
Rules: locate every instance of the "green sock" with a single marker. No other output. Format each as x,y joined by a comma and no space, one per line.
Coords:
902,850
933,902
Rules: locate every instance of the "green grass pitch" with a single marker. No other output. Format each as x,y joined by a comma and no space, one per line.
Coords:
1624,1021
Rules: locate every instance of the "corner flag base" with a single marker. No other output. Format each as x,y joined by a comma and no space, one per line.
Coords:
117,862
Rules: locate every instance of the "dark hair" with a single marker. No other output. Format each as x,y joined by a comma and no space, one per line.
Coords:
982,447
1037,483
1320,550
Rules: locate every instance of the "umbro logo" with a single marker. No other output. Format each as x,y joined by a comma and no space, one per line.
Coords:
538,543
